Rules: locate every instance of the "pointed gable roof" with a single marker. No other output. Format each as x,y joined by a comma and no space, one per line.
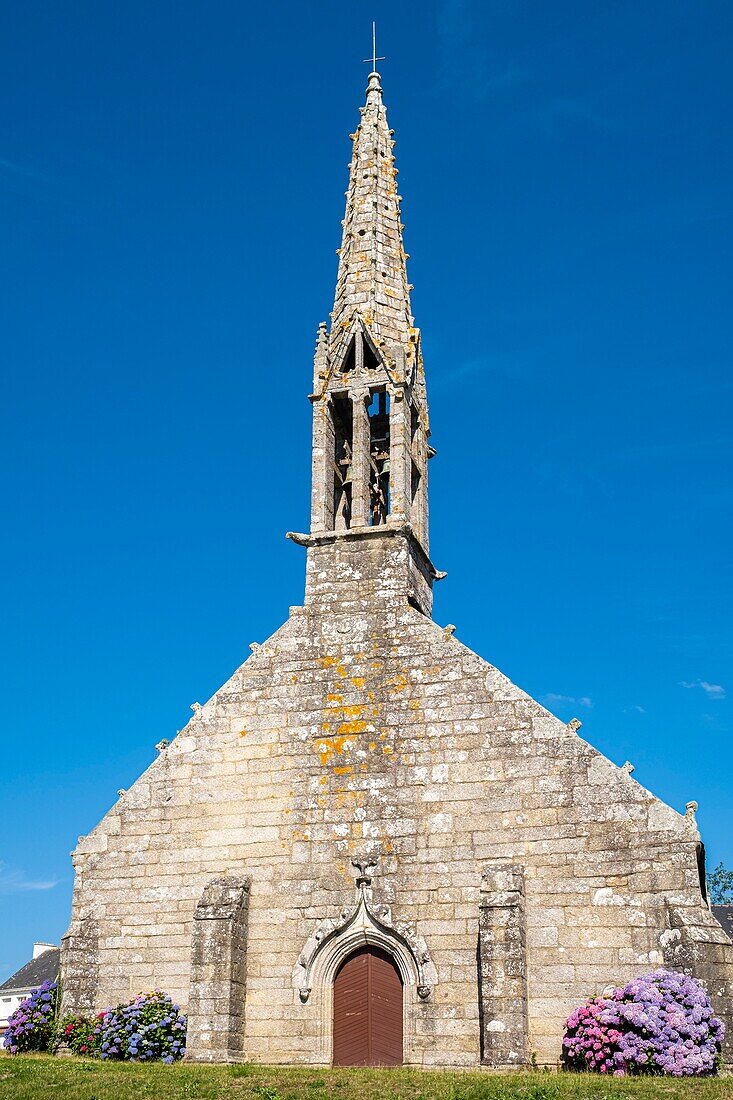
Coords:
44,968
372,276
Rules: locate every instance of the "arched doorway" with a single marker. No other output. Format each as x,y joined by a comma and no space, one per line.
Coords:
367,1010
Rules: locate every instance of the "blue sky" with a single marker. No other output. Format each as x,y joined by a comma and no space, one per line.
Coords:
171,181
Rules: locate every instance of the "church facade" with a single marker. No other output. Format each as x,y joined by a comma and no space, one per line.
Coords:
369,846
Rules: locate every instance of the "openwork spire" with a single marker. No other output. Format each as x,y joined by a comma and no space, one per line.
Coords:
369,503
372,276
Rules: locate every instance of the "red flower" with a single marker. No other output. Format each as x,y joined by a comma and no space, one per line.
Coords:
83,1049
69,1029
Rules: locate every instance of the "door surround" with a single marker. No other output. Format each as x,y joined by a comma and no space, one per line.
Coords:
332,943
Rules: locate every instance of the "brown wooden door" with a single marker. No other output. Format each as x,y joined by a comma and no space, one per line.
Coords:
367,1011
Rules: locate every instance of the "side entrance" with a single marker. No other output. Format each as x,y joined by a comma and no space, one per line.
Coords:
367,1010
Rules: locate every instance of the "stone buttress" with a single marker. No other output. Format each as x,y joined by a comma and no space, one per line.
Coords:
363,777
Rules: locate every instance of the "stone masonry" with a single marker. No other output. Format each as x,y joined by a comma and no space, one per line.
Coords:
363,777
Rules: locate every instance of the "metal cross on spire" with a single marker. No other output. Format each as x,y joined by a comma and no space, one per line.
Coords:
374,59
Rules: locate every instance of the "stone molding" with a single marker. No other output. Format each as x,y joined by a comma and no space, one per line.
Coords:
366,924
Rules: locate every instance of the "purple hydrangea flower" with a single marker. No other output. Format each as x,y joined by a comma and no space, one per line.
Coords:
662,1022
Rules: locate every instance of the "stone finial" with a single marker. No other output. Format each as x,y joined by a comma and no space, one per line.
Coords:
365,864
195,707
121,792
574,725
627,767
254,646
449,631
162,744
691,809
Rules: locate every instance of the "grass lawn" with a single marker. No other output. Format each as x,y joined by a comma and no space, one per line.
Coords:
32,1077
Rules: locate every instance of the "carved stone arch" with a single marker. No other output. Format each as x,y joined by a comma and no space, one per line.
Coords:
334,941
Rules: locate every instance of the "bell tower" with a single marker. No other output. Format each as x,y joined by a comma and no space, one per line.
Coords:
369,500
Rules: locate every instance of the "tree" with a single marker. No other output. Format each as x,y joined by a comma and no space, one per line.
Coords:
720,886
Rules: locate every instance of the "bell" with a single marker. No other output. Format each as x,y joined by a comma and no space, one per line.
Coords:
348,478
385,467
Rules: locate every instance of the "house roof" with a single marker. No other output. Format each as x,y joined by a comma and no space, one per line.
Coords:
724,916
43,969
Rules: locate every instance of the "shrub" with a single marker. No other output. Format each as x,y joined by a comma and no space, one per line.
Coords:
80,1035
662,1022
32,1025
150,1028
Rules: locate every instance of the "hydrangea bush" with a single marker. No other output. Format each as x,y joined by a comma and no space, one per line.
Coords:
32,1026
150,1028
80,1034
662,1022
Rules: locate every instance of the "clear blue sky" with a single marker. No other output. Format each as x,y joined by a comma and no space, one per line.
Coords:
172,180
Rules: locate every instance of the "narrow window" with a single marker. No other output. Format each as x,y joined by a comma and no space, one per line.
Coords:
371,360
350,358
700,852
415,483
342,472
379,439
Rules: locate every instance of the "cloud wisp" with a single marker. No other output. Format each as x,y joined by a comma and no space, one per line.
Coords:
713,691
16,882
552,699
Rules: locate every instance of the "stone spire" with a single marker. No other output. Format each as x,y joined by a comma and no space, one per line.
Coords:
369,502
372,275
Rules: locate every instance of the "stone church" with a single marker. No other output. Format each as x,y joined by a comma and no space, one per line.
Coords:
369,846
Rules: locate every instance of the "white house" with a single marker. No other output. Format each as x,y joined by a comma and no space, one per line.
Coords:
43,967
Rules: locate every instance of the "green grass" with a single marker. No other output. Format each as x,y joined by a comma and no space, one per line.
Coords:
32,1077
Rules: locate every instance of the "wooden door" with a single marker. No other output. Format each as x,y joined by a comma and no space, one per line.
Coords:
367,1011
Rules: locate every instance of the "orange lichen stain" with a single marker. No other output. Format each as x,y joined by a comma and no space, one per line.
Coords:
341,670
383,737
414,704
358,682
370,696
323,779
398,682
388,846
332,697
345,769
352,711
243,733
346,728
328,661
293,679
364,767
327,746
372,746
387,750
